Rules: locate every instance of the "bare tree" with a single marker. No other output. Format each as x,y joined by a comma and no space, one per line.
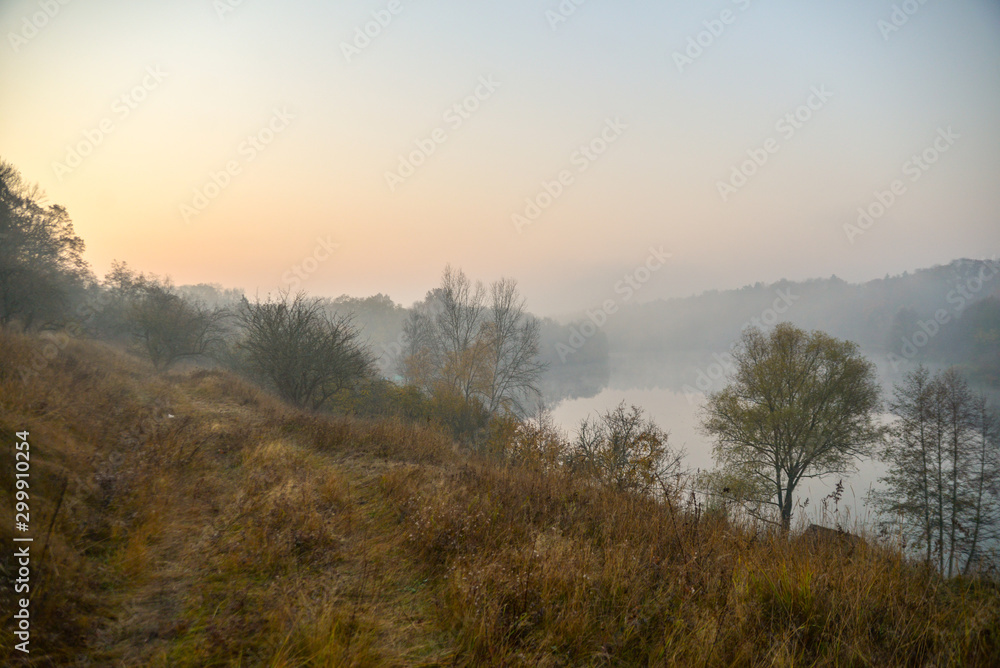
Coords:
419,360
909,483
512,351
985,481
475,343
170,328
462,309
458,328
956,406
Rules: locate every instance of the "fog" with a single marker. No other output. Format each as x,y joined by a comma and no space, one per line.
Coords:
666,356
562,332
348,148
654,178
680,415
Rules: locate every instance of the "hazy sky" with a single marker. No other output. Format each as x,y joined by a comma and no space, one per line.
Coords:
234,142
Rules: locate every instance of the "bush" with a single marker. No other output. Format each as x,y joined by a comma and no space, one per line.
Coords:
304,354
169,328
625,450
536,443
465,418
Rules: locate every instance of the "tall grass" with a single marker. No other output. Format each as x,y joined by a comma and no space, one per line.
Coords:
205,523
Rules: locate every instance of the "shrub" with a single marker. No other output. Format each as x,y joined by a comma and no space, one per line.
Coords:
625,450
306,355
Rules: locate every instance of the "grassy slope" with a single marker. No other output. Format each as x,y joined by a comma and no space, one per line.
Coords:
243,532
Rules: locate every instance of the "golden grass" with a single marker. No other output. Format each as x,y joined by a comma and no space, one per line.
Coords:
205,523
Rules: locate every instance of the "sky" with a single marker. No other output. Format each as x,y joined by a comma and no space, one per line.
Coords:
358,147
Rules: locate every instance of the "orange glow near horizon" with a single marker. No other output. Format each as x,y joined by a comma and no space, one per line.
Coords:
258,115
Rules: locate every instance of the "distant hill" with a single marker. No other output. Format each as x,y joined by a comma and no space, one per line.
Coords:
946,314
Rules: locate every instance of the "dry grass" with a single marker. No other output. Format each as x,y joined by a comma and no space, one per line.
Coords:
541,570
204,523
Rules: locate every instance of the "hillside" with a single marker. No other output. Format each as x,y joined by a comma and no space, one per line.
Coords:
658,343
662,343
190,519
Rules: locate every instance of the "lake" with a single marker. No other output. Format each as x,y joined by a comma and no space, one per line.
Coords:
677,414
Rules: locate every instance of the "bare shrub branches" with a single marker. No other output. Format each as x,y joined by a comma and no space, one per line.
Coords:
300,350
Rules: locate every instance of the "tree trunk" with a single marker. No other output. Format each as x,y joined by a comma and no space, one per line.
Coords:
925,483
786,512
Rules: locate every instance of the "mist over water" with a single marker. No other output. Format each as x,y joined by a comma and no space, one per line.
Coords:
303,303
670,395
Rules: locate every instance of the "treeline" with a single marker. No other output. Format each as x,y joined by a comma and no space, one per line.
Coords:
42,270
468,357
464,357
942,315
